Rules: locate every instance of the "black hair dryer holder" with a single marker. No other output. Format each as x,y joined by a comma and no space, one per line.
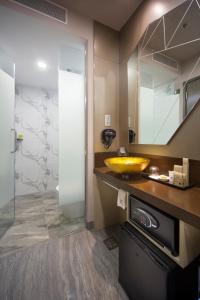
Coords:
107,137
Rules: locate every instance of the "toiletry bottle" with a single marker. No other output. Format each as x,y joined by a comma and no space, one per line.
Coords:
186,170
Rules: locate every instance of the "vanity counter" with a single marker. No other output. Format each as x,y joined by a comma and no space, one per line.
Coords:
184,205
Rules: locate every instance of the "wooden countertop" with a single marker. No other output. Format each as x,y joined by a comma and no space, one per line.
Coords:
184,205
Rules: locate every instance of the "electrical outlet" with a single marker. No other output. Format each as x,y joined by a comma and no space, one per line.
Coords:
107,120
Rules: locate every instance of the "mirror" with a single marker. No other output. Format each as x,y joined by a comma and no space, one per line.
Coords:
164,75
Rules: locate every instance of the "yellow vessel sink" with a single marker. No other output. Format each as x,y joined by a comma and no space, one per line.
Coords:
127,165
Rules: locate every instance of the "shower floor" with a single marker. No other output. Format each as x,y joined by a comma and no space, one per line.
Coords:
38,218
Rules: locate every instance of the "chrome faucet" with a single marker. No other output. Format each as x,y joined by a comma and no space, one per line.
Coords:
122,151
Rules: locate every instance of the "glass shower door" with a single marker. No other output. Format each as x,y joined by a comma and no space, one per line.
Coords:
72,134
7,142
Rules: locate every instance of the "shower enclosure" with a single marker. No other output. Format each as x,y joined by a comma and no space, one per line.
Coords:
42,132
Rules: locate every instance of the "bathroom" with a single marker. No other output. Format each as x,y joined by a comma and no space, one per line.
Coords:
63,226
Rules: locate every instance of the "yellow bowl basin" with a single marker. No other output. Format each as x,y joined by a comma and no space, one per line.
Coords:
127,165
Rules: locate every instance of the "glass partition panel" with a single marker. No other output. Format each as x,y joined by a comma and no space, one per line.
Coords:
7,138
72,134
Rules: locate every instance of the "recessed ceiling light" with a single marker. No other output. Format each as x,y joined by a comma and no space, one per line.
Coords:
42,65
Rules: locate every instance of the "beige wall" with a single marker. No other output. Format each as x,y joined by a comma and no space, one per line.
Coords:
106,82
187,140
106,101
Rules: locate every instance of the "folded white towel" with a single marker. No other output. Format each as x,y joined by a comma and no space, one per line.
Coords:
122,199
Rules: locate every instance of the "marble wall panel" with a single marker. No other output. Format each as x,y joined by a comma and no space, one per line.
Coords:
36,160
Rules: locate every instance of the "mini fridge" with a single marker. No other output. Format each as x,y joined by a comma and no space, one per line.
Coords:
146,273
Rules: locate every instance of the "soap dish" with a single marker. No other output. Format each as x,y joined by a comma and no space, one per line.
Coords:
147,176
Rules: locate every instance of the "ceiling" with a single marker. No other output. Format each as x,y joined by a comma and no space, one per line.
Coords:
113,13
27,41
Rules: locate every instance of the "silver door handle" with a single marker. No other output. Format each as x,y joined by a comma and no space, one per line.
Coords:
15,140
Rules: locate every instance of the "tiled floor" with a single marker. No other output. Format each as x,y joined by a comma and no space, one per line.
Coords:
38,217
75,267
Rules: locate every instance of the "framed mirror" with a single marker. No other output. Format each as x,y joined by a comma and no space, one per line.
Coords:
164,75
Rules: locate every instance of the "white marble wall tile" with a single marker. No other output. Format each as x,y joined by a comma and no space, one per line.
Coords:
36,116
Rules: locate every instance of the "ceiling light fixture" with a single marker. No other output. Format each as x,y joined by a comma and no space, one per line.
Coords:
42,65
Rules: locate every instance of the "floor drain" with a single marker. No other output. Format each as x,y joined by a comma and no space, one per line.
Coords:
111,243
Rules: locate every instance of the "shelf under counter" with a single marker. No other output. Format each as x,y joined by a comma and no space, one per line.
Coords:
184,205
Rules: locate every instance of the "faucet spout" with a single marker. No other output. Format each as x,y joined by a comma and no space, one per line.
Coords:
122,151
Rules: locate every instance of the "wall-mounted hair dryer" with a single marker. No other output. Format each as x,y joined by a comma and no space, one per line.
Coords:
107,136
131,136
